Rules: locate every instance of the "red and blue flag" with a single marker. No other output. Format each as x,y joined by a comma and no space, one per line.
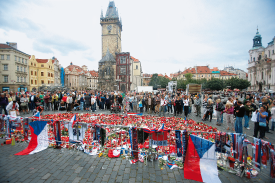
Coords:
200,162
39,138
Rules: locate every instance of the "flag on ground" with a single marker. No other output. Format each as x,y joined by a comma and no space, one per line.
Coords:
37,115
39,138
134,114
200,162
73,120
172,165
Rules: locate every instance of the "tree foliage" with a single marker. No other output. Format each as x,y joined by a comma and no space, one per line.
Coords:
158,81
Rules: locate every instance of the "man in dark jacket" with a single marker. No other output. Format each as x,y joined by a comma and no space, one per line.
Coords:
32,101
3,103
240,110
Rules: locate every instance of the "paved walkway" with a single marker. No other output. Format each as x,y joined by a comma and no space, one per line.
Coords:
53,165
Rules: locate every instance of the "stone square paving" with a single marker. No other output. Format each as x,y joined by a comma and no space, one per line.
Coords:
54,165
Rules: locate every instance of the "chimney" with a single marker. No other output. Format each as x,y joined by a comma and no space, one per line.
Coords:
14,45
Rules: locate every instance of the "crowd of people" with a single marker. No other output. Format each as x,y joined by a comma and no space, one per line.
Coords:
205,106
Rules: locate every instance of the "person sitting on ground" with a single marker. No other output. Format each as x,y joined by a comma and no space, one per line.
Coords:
62,106
76,105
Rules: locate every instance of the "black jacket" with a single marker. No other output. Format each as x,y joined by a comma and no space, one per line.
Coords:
241,111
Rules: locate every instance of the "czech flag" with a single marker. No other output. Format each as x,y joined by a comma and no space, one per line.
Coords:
73,120
37,115
134,114
39,138
257,153
172,165
200,161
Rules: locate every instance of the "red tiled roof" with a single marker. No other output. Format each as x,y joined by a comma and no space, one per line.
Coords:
225,73
160,75
42,60
94,73
215,69
5,46
134,59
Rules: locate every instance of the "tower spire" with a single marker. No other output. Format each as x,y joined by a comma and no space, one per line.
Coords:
257,30
101,16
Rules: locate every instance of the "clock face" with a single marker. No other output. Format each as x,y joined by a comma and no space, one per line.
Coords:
109,27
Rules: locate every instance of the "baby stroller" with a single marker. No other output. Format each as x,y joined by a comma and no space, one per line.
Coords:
115,108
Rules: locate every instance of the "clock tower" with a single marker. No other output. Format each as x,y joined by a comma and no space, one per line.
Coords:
111,30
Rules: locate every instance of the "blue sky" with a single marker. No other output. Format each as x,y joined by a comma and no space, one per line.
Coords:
166,36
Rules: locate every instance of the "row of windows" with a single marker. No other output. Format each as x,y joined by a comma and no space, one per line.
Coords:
22,60
42,82
42,65
21,79
21,69
42,74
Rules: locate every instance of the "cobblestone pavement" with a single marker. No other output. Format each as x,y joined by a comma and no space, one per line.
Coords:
53,165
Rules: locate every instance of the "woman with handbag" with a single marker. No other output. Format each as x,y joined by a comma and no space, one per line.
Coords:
260,125
209,110
24,103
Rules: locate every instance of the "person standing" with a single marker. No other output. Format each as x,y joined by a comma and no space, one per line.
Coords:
3,103
186,105
219,110
149,101
162,106
198,105
261,118
229,113
24,103
157,104
240,110
247,114
69,103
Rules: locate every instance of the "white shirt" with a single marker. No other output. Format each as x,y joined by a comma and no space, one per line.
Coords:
162,102
186,102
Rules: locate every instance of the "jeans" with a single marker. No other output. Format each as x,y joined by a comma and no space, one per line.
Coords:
246,121
5,111
162,110
198,109
81,106
219,116
239,125
222,118
93,107
77,107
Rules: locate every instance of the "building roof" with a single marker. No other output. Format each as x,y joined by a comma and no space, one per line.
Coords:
134,59
225,73
108,57
5,46
94,73
215,69
42,60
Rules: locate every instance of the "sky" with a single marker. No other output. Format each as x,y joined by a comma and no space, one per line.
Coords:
166,36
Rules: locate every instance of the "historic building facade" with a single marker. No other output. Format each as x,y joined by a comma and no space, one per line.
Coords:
76,77
136,73
123,72
41,72
14,68
111,44
261,65
57,71
240,73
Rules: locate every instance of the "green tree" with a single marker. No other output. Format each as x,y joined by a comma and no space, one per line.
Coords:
214,84
188,76
154,81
